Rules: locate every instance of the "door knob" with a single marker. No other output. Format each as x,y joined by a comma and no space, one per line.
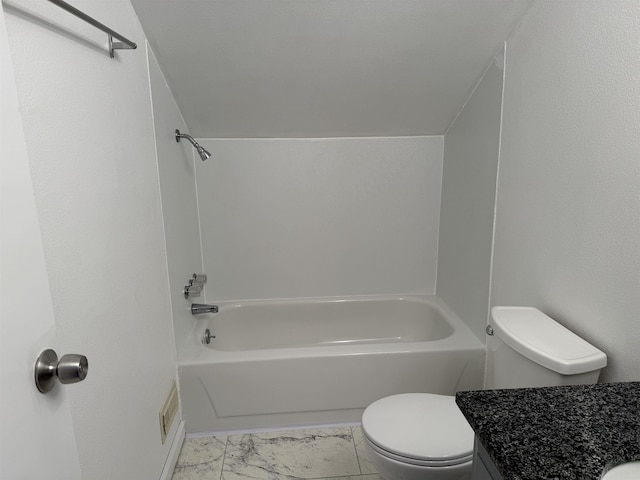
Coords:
71,368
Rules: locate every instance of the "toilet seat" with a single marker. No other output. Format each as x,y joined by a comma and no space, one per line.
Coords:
418,462
419,429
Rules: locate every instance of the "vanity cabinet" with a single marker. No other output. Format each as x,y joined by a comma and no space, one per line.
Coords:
483,467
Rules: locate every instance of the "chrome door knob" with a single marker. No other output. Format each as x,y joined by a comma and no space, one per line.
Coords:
71,368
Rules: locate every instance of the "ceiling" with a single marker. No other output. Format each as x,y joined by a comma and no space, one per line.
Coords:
324,68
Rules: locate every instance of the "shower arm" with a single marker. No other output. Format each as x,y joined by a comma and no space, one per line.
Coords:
204,154
187,136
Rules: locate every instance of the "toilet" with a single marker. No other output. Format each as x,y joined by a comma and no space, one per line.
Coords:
423,436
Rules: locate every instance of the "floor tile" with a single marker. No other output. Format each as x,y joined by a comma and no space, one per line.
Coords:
317,453
200,458
366,467
201,450
204,471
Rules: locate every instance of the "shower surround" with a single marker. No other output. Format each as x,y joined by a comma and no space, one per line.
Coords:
310,220
305,217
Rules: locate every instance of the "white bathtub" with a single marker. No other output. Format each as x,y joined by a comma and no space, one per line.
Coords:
319,361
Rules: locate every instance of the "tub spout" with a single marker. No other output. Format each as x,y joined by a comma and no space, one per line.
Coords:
198,308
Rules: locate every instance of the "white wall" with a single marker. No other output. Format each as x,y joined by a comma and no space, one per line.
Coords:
89,134
321,217
568,208
179,204
471,151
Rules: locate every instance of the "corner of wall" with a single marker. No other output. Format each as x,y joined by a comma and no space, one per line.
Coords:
176,173
471,153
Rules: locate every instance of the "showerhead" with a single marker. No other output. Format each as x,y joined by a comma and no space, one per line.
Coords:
204,154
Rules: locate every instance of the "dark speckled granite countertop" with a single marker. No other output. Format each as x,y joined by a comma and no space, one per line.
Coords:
567,433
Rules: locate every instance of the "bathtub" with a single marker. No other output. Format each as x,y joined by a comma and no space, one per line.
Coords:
281,363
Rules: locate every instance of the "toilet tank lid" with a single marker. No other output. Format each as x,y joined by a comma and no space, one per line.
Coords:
543,340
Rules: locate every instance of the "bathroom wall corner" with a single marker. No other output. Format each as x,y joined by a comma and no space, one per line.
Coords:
176,172
471,152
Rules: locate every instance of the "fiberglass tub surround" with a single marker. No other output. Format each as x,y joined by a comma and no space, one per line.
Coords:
320,361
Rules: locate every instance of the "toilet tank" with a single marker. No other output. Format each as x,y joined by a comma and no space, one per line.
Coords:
530,349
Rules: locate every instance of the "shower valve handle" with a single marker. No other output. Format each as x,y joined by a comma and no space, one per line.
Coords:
194,285
191,291
198,279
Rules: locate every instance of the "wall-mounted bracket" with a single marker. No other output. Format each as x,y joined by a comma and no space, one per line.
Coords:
124,42
117,46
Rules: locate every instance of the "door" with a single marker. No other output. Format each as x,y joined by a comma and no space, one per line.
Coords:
36,433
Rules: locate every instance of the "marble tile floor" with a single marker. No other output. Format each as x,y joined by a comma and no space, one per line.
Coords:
317,453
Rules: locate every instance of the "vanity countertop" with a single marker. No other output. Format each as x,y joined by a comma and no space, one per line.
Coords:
567,433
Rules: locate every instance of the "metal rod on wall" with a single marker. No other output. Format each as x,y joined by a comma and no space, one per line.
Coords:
124,43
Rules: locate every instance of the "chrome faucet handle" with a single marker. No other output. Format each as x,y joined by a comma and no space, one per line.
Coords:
191,291
198,279
194,285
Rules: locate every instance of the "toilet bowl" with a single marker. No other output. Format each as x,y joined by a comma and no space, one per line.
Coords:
423,436
418,436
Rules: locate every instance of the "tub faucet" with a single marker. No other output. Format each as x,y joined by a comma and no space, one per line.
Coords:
198,308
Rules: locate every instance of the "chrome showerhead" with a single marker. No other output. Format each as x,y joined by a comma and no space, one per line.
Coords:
204,154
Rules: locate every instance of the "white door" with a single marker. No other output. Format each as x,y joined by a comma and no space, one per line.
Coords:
36,434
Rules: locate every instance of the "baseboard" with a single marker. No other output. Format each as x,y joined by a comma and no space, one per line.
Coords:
172,458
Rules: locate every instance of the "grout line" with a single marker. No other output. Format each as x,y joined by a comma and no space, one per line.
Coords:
224,457
356,449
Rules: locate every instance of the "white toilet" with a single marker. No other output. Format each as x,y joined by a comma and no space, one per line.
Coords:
422,436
